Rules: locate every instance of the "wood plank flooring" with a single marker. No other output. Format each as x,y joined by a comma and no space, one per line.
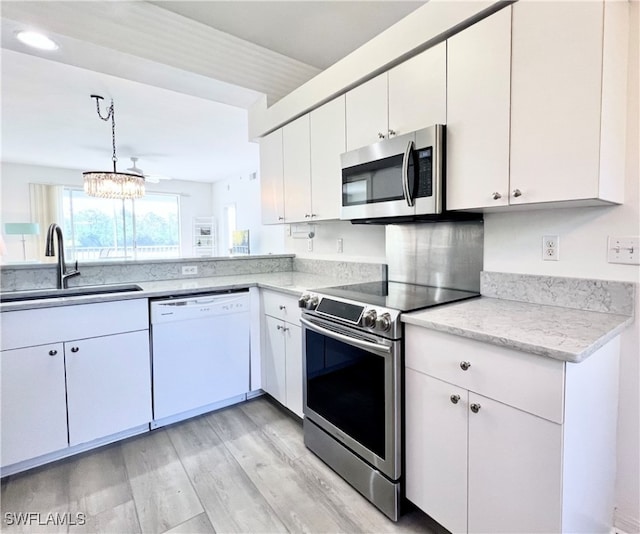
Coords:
241,469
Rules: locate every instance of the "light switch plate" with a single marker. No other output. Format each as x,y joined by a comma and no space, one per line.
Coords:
623,250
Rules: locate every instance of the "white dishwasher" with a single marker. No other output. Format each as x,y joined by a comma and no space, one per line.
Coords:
200,354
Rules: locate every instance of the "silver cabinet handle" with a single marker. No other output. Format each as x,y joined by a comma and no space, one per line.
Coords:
465,366
380,135
455,398
517,193
306,215
74,349
282,307
314,215
392,133
475,408
497,196
281,218
279,327
53,352
285,329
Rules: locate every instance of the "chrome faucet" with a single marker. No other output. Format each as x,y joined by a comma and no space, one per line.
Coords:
61,274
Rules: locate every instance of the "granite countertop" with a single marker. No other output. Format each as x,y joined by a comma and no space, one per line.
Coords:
561,333
291,282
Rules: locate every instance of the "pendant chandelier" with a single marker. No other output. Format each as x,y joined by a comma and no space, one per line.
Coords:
112,184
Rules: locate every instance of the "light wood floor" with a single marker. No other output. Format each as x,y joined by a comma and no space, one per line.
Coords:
241,469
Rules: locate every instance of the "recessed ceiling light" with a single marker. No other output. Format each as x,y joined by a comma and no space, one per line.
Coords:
36,40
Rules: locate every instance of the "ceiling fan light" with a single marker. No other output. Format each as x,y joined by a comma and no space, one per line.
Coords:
118,185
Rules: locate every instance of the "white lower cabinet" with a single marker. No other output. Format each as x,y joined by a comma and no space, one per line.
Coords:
34,414
108,382
58,393
282,351
480,464
487,452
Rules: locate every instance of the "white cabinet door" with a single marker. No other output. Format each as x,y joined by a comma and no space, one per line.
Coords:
274,360
436,449
293,348
108,385
366,111
328,141
556,100
34,412
297,170
271,178
478,98
418,91
515,470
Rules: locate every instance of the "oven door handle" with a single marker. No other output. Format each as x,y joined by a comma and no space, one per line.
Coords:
359,343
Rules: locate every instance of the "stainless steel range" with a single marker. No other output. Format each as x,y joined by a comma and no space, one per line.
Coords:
353,369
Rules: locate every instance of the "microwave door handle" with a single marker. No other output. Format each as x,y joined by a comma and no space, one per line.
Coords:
405,174
359,343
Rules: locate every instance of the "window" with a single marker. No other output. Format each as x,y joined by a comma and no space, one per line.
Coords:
104,229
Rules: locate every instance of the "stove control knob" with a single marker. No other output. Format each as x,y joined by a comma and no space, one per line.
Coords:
312,303
302,301
383,322
369,319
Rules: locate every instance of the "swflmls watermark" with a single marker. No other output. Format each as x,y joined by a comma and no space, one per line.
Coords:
42,520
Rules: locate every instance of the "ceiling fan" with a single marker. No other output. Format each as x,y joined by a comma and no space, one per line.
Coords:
150,178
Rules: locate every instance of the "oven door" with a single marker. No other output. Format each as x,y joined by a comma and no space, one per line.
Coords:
352,390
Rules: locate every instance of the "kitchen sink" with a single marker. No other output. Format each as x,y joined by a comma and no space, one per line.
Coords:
15,296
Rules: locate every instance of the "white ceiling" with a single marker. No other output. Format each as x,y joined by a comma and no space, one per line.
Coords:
181,87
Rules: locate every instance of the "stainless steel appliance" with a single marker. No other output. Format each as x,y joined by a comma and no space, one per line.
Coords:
397,177
353,356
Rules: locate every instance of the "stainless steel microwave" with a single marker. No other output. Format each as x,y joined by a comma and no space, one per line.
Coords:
400,177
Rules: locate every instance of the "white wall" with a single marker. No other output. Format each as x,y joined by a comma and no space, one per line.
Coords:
513,244
360,242
245,194
195,201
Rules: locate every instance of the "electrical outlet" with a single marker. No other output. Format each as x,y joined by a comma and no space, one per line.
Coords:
189,269
309,245
550,248
623,250
339,246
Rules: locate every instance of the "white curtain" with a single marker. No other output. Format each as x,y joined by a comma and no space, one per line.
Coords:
46,208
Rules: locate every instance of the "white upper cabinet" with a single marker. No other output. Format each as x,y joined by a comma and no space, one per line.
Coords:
568,101
300,167
271,178
406,98
328,141
297,169
478,96
418,91
367,115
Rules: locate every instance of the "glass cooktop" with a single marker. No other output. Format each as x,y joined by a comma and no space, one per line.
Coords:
397,295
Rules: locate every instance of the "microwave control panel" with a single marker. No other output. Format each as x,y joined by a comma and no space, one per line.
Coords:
425,172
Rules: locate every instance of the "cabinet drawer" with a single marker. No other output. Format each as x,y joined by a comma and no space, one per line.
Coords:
281,306
532,383
40,326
